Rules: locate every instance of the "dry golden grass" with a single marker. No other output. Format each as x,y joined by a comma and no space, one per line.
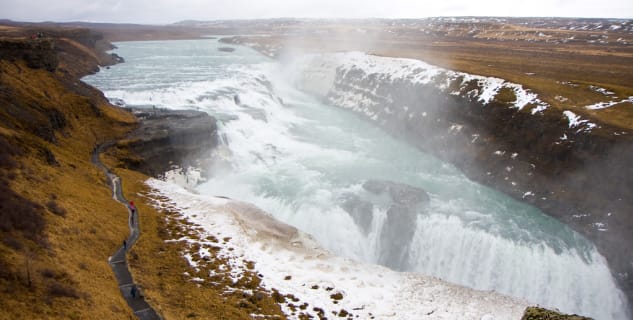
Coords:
536,313
80,242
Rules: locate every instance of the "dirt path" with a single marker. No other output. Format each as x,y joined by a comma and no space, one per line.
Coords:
118,261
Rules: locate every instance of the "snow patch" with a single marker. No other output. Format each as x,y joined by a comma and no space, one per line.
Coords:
604,105
601,90
600,226
491,87
561,98
576,122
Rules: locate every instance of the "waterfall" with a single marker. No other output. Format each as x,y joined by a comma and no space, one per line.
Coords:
359,192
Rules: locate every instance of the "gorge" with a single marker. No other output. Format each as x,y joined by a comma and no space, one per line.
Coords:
318,168
499,134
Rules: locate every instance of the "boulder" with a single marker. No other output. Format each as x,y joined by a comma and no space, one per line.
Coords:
402,194
404,204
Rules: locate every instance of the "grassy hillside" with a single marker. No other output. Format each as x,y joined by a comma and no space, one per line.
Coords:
58,222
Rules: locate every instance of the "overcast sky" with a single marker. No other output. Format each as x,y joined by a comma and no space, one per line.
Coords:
168,11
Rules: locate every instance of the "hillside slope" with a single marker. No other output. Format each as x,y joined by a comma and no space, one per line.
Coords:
58,222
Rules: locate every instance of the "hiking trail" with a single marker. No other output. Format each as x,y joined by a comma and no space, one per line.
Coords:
118,261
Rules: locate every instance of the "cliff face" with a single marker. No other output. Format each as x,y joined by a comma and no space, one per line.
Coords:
499,134
38,54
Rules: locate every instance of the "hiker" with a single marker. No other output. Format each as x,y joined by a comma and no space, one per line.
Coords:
132,207
124,244
133,292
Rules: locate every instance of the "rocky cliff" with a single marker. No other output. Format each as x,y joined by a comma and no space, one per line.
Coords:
38,53
499,134
168,138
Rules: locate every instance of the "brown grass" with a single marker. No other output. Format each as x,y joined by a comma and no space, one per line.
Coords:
84,225
536,313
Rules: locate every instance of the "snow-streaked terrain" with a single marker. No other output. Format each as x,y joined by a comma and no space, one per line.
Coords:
293,263
361,75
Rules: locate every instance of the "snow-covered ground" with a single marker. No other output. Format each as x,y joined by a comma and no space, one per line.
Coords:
292,263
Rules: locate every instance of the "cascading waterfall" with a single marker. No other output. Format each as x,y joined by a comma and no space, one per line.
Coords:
359,192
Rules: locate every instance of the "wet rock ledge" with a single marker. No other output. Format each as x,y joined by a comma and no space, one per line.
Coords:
169,138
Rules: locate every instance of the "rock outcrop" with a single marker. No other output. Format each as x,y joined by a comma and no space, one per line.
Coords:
362,211
401,194
37,53
168,138
403,204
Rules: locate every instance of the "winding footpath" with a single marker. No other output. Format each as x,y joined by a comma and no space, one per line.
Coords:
118,261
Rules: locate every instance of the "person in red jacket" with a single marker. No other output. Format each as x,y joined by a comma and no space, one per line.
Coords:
132,207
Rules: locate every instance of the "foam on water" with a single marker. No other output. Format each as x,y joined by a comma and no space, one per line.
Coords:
295,157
